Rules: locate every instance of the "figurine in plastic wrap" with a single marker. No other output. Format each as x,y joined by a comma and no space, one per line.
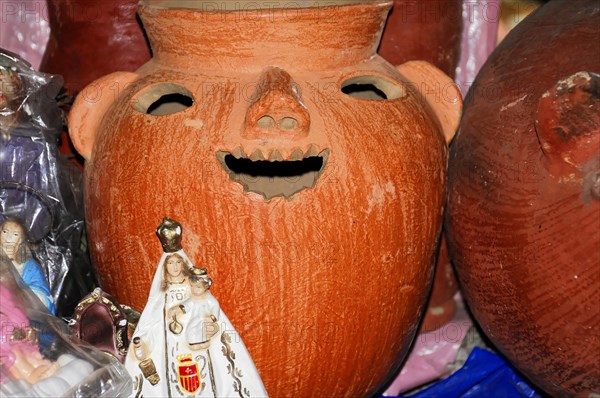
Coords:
184,346
11,92
24,371
37,185
13,242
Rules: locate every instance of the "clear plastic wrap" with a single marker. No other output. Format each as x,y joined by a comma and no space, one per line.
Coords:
37,186
40,358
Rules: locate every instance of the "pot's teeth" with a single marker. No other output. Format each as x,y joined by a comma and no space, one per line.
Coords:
312,151
221,156
324,155
275,156
257,155
238,153
285,153
297,155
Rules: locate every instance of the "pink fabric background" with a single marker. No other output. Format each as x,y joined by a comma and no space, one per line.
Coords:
24,28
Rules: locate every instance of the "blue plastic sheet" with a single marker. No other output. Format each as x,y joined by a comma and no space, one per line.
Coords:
484,374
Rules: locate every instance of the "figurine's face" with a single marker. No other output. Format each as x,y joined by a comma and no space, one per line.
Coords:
198,288
5,81
11,237
10,96
3,99
174,267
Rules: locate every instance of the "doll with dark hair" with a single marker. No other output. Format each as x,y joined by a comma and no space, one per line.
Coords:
14,247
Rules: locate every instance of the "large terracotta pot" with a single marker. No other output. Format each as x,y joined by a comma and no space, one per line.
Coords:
524,198
428,30
89,39
322,254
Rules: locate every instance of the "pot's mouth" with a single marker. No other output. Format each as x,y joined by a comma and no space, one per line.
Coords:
275,175
246,5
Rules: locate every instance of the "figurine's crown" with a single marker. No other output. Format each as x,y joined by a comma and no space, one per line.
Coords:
169,233
184,358
198,273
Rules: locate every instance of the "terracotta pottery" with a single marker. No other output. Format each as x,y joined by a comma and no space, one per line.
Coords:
524,198
89,39
308,172
428,30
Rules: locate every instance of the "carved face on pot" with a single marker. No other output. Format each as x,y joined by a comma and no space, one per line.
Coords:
307,171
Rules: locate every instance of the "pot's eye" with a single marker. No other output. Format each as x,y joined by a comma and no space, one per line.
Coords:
372,88
163,99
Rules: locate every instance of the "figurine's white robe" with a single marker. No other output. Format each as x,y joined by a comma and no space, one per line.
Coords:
229,370
163,345
214,364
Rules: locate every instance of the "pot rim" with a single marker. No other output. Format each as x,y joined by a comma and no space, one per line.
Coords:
331,37
209,6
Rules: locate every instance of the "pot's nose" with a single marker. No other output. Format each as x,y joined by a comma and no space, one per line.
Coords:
278,109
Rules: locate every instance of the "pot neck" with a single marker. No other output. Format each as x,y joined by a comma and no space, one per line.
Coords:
311,38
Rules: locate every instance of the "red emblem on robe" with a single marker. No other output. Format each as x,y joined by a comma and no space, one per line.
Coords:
188,373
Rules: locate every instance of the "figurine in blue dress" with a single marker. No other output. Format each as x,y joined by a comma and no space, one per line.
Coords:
14,246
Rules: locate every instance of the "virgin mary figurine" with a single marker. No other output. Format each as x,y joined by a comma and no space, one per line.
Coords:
182,346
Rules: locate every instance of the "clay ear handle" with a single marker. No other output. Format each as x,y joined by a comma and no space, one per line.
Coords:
91,105
437,91
568,122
